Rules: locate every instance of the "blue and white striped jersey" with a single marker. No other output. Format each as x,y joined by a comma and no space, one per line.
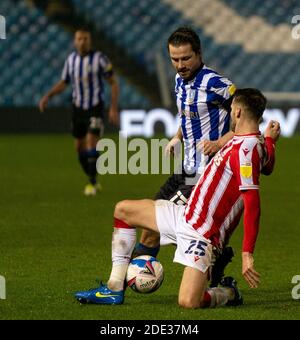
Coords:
202,116
85,74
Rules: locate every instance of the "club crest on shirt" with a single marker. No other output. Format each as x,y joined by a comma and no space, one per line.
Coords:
190,96
246,151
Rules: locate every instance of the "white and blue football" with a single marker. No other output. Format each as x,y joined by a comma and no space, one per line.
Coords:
145,274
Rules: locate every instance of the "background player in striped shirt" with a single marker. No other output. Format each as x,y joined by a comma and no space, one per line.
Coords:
203,100
85,70
228,186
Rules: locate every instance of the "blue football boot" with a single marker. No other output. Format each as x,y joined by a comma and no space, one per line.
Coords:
230,282
101,295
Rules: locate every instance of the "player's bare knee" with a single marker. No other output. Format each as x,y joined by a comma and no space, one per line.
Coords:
188,302
121,210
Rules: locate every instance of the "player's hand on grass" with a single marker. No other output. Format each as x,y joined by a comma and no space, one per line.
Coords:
273,130
248,271
208,147
113,116
171,146
43,103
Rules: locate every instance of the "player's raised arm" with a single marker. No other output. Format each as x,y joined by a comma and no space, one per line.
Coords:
56,89
271,136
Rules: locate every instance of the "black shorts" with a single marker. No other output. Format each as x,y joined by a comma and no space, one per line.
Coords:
175,189
84,121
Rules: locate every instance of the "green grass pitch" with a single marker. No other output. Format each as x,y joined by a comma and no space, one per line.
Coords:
54,241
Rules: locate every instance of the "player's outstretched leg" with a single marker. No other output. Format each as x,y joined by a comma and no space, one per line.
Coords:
128,214
123,240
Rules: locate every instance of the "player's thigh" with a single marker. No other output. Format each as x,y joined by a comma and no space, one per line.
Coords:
78,127
192,288
138,213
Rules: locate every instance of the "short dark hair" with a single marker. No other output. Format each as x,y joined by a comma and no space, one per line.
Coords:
185,35
253,101
83,29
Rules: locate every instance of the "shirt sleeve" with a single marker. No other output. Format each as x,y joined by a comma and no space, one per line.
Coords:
245,164
269,163
220,90
251,219
65,76
106,66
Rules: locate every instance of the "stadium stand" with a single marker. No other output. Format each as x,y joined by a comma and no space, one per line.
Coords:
255,50
280,10
229,48
32,57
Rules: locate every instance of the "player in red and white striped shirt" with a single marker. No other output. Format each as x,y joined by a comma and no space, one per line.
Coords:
228,186
217,201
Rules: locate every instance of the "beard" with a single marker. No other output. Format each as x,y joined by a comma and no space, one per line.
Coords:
184,73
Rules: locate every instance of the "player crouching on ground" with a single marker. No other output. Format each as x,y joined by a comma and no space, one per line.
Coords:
228,186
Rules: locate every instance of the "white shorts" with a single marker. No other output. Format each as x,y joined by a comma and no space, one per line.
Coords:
193,250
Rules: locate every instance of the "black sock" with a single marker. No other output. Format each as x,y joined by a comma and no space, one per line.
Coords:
92,160
83,160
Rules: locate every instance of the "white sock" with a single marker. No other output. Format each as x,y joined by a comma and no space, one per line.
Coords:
123,242
220,296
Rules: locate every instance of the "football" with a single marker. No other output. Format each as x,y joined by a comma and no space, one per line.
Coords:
145,274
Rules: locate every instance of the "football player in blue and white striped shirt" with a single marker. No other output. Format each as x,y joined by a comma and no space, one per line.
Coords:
203,100
85,70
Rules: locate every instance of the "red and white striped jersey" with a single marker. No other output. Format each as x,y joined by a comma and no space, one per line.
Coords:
216,205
